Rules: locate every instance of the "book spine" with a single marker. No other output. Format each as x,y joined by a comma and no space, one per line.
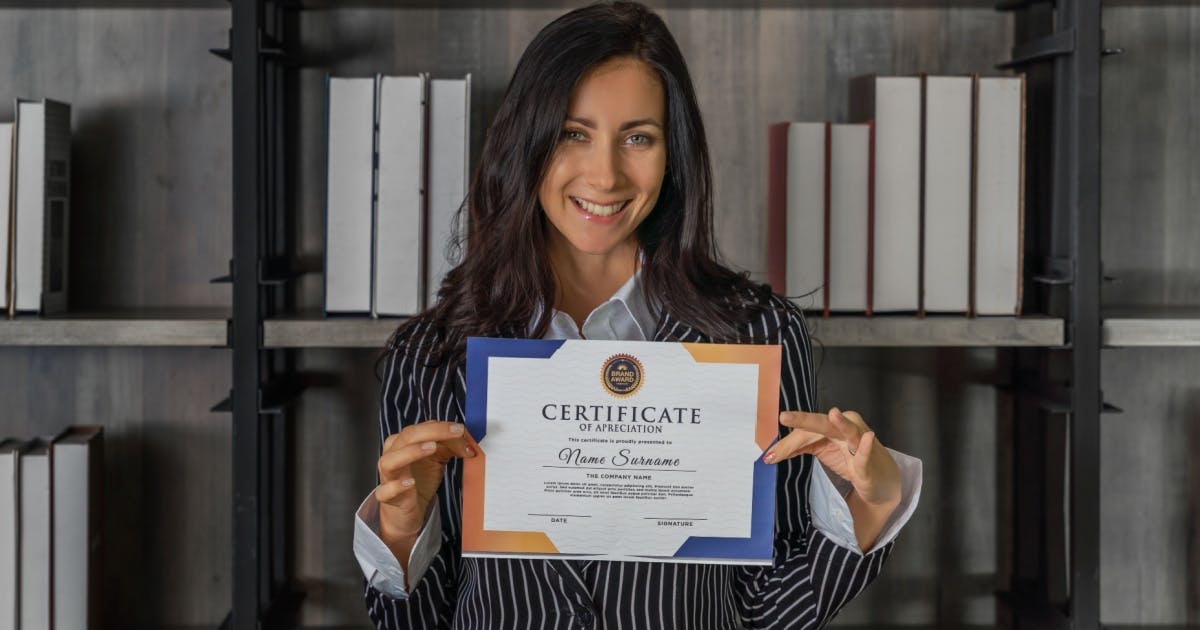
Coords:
828,209
777,139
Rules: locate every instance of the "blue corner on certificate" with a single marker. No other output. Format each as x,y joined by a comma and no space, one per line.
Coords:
620,450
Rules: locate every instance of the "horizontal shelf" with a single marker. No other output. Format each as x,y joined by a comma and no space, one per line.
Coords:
185,327
331,332
936,331
1130,327
317,332
654,4
114,4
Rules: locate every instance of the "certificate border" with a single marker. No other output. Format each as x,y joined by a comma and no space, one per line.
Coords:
756,549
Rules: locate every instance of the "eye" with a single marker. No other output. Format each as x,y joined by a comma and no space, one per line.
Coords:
641,139
573,135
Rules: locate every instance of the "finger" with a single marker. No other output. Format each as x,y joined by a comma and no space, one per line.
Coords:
862,459
808,421
847,431
394,464
397,493
390,441
797,442
854,418
456,447
430,431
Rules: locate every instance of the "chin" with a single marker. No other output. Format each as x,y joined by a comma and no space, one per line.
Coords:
594,247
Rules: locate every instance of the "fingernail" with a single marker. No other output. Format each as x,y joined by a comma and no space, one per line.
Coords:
456,429
471,451
769,457
428,446
407,483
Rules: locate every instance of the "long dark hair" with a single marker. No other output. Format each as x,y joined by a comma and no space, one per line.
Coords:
504,277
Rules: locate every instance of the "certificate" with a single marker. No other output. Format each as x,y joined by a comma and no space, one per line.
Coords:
619,450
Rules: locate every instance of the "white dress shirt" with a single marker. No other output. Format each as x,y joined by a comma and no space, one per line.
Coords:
625,316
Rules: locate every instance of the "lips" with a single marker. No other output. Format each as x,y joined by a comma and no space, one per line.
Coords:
597,212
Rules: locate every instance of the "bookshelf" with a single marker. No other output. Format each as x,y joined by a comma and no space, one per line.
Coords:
271,530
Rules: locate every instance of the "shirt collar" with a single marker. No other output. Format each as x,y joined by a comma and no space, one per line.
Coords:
626,316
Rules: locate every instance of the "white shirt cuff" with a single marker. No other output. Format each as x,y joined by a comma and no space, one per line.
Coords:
378,564
831,516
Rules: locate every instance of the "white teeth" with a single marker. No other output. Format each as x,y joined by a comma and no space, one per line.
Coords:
598,210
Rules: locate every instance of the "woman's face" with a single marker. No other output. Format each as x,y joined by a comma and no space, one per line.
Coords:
606,173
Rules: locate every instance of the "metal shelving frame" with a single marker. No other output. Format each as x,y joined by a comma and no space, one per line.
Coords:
1057,398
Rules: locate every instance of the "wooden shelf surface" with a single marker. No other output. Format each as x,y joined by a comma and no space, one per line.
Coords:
654,4
1149,326
345,332
146,328
936,331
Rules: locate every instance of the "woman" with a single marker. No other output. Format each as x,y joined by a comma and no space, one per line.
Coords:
591,217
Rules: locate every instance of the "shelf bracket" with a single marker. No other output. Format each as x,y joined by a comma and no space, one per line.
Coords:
225,406
281,269
1041,49
225,53
227,278
278,393
1059,271
273,397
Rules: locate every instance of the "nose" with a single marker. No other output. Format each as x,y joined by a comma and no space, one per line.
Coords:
604,168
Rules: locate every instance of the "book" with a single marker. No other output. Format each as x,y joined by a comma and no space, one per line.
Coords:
796,209
6,178
449,164
41,206
400,208
77,463
10,532
946,198
999,195
894,104
777,198
849,217
806,210
350,194
35,522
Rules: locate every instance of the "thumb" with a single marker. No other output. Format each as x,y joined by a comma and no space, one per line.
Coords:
862,457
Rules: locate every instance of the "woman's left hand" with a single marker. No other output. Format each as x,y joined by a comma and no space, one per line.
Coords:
847,446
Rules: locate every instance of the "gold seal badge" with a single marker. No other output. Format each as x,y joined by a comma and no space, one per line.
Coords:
622,375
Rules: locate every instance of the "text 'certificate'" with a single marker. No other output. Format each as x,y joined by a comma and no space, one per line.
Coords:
620,450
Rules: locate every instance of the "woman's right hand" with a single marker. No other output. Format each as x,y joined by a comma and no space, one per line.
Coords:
411,468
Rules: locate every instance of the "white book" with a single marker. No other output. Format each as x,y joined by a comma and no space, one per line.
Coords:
850,164
10,532
806,210
947,217
76,461
894,103
449,157
41,205
999,206
35,536
6,178
350,194
400,208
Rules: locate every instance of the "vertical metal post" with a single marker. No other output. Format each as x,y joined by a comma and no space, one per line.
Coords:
247,203
1081,76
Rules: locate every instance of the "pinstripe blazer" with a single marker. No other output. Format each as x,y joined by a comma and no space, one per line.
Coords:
809,582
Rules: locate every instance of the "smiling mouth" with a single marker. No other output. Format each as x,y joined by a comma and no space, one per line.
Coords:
600,210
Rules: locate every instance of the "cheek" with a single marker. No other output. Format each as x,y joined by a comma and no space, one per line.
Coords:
556,178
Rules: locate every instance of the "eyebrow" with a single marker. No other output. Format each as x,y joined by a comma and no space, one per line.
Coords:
587,122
